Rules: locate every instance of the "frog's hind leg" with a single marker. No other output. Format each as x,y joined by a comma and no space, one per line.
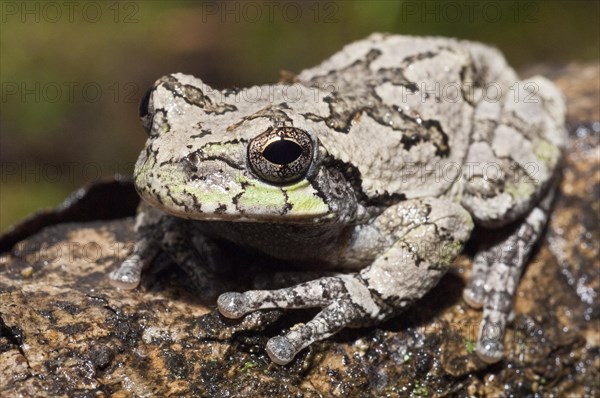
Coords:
511,165
516,149
497,272
516,140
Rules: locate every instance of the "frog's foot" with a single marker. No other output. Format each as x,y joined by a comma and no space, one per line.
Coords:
330,320
129,274
199,257
474,293
345,301
496,275
147,224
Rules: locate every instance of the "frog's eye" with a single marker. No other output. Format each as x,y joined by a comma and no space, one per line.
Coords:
281,155
145,117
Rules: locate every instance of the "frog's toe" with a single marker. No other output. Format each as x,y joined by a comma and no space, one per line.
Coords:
232,305
474,295
490,348
344,300
474,292
330,320
511,316
280,350
128,275
490,351
315,293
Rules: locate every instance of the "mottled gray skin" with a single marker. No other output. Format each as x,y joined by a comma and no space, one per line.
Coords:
409,141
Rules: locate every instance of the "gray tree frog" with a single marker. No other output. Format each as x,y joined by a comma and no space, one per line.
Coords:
375,164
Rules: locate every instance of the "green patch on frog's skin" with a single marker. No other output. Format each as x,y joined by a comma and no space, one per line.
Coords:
522,189
299,199
167,188
450,252
237,197
143,170
547,152
445,254
209,200
224,149
304,199
259,196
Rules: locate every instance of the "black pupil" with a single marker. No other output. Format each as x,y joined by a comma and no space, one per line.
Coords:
282,152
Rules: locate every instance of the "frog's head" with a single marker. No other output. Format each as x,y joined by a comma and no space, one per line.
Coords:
211,158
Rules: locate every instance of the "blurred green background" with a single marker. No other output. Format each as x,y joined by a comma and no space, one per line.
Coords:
72,73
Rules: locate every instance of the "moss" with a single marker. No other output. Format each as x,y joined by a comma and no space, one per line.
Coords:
420,390
248,365
470,346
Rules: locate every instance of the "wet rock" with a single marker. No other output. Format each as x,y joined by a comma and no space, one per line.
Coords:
65,331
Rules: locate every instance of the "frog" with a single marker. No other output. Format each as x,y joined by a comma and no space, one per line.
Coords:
376,167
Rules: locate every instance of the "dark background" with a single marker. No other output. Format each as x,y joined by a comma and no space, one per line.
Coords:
72,74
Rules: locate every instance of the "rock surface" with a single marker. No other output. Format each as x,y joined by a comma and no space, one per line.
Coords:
64,331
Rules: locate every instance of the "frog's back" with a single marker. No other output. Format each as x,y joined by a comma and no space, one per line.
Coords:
400,103
409,112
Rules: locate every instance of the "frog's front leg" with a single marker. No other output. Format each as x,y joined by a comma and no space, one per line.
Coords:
147,245
199,257
417,241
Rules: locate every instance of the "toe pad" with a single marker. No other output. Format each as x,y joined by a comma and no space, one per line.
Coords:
232,305
280,350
